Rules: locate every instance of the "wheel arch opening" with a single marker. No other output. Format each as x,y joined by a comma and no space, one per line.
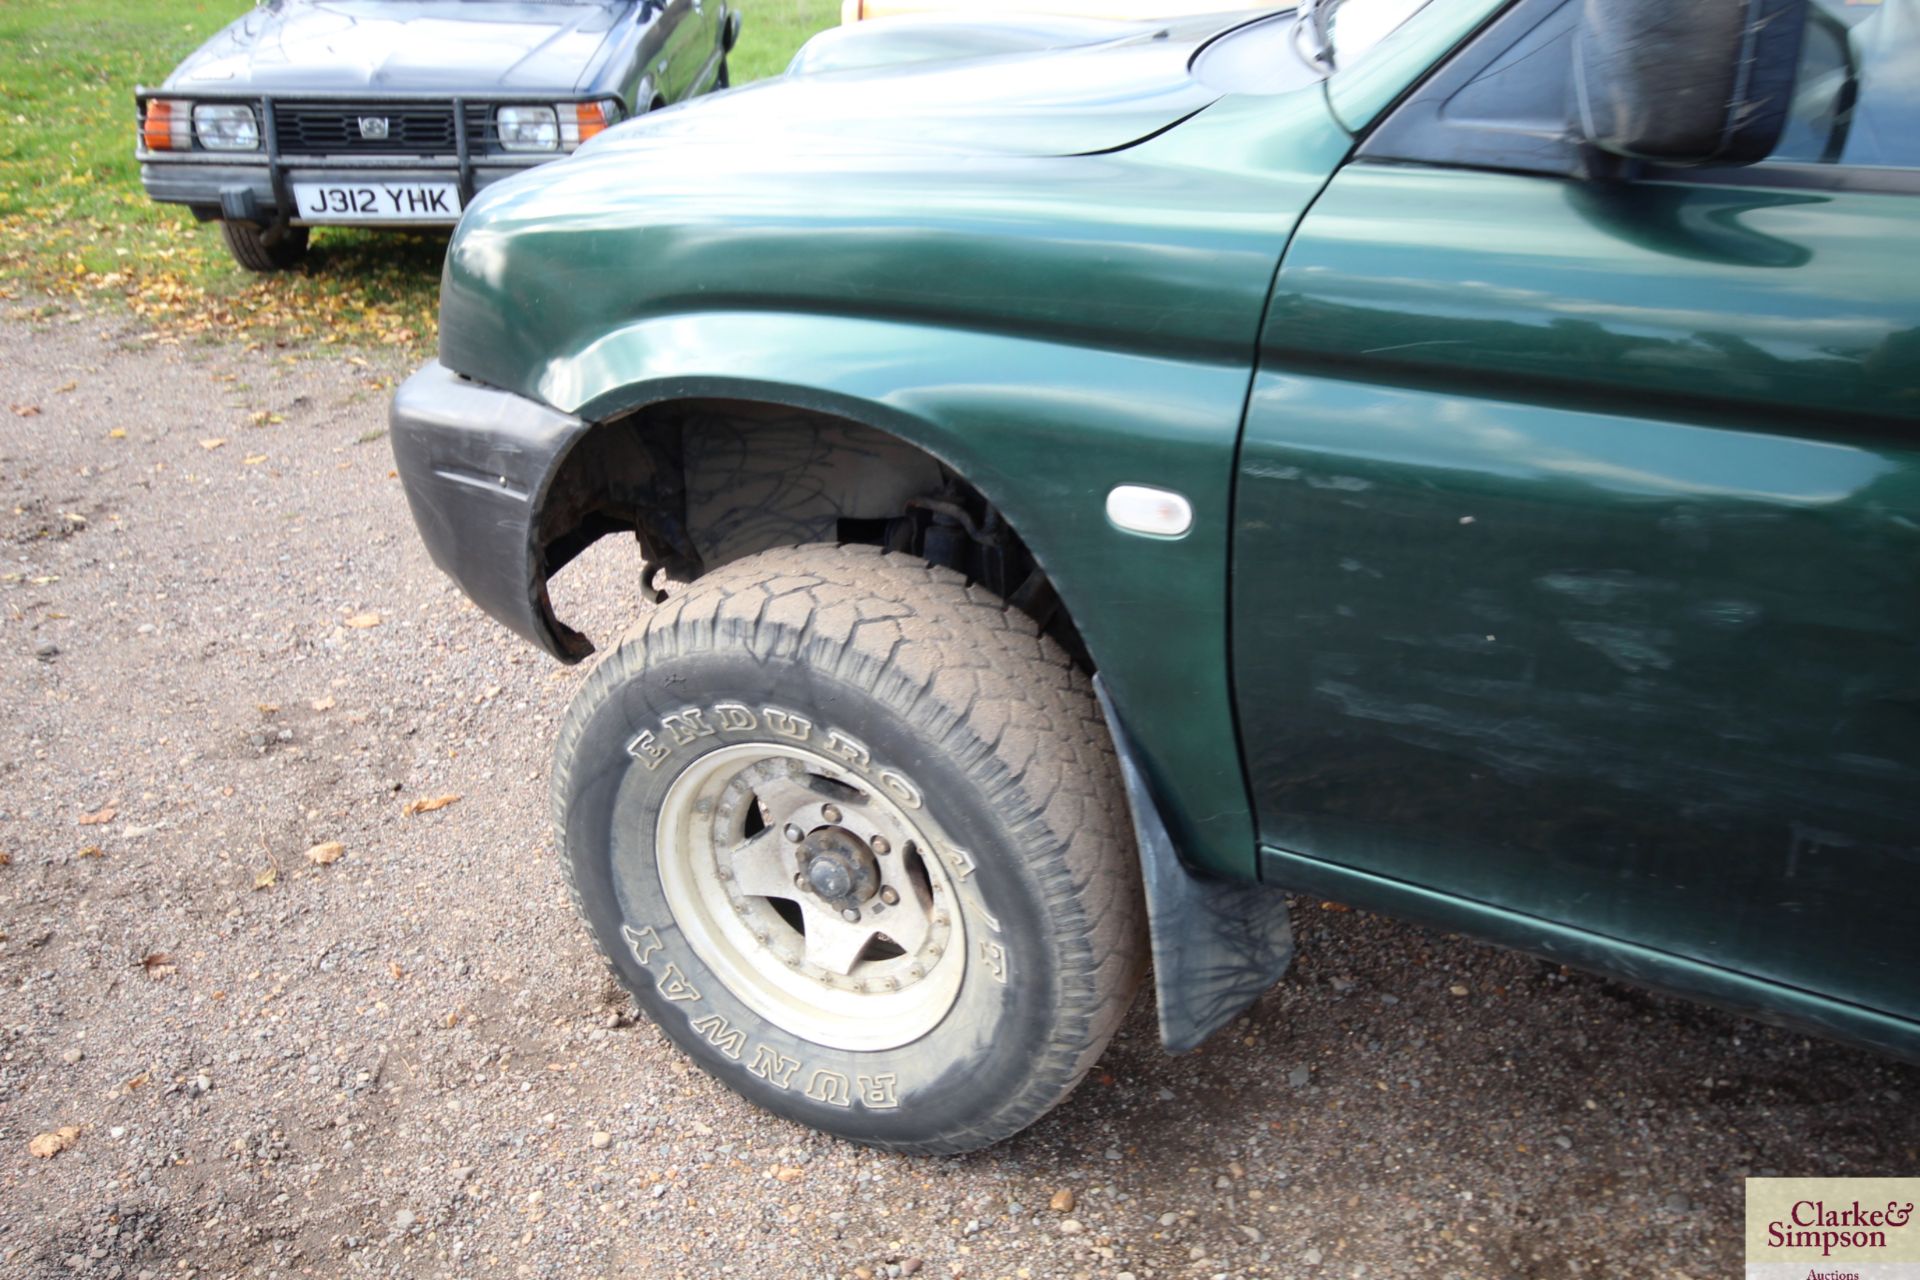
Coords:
704,482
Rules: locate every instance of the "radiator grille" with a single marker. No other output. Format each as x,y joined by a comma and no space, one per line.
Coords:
316,129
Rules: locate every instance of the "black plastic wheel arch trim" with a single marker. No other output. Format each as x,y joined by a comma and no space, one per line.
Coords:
476,463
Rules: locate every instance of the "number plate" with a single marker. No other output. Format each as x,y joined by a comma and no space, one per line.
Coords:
336,202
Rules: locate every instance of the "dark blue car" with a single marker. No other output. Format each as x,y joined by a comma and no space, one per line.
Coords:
309,113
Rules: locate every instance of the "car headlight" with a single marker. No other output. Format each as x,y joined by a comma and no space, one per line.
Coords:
167,125
226,126
527,128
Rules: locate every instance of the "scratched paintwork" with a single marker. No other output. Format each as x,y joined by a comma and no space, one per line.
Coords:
1578,566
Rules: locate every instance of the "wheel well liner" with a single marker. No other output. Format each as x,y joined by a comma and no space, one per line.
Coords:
705,482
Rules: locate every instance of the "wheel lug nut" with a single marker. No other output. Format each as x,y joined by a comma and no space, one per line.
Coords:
830,812
889,895
794,833
850,915
880,846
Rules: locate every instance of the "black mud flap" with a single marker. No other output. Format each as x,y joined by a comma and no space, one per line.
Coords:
1218,945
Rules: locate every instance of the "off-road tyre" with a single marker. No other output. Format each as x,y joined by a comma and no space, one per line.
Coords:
921,690
259,248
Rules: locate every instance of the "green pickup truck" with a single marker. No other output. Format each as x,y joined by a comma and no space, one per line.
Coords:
1457,458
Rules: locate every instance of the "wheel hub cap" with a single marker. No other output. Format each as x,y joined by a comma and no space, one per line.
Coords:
815,898
841,870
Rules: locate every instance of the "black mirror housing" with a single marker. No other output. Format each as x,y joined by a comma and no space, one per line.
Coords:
1687,82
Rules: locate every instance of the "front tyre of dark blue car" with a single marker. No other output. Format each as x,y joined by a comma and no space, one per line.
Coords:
259,248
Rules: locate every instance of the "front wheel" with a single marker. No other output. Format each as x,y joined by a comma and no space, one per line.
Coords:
259,248
852,833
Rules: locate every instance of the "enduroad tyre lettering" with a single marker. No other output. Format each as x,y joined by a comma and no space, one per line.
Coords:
686,725
654,747
994,956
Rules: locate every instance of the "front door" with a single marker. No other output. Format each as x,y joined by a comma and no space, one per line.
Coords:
1577,533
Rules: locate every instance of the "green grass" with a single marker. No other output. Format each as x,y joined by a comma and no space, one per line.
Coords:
75,226
772,30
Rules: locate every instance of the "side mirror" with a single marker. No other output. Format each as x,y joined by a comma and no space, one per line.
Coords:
1686,81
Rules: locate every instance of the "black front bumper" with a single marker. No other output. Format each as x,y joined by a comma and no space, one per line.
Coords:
256,186
261,191
476,463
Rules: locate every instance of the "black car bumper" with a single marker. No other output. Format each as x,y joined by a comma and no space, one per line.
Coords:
258,185
476,462
259,192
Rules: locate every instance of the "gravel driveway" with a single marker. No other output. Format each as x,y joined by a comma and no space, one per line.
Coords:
407,1061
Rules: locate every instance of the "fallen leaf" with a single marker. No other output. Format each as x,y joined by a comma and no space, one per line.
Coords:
427,804
253,459
48,1145
361,621
267,708
396,970
213,443
158,964
322,704
26,411
266,879
91,851
135,1083
326,854
118,433
98,817
65,387
6,859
